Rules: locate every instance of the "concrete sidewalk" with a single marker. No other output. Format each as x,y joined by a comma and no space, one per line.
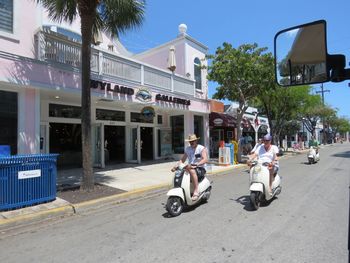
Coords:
135,181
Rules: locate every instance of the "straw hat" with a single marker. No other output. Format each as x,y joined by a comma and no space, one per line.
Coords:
192,137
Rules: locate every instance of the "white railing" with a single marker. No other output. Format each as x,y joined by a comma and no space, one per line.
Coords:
159,79
54,48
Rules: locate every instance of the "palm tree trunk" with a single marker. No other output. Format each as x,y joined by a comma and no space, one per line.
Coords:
87,14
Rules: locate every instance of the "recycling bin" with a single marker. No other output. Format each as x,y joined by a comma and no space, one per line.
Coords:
27,180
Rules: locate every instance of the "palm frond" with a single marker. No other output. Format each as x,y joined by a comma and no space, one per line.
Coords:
60,10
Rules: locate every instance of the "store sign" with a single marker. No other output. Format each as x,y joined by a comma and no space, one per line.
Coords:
147,113
218,122
143,95
172,99
29,174
96,84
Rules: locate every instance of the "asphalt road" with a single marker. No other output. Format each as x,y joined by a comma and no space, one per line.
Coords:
308,222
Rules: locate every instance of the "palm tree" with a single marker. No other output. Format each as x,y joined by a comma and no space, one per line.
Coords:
110,16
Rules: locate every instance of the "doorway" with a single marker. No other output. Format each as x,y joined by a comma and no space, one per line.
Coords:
114,144
146,143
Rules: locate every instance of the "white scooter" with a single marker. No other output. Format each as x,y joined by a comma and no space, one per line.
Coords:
180,195
313,156
259,184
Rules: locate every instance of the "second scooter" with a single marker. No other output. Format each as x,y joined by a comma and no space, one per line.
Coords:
259,184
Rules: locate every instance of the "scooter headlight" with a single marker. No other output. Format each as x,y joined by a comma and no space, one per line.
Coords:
257,169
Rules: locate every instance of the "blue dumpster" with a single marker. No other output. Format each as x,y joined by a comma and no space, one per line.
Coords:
27,180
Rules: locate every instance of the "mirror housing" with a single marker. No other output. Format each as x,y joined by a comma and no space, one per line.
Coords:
301,56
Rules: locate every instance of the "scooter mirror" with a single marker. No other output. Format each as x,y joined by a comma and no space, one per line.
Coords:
301,55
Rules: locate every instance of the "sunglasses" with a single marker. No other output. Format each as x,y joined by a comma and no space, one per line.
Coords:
193,142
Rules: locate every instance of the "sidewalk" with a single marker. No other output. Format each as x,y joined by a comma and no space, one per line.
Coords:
133,180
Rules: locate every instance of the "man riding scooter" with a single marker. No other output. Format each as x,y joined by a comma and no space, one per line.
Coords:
197,158
267,153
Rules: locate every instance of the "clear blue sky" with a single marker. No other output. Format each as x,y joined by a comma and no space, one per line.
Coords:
241,22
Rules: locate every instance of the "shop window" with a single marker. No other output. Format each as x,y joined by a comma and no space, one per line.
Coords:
64,111
9,120
138,117
110,115
177,133
198,128
160,119
6,20
198,73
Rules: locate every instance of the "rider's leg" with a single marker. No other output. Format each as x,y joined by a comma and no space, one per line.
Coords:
194,181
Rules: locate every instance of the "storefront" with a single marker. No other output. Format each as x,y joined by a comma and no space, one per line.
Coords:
123,130
222,128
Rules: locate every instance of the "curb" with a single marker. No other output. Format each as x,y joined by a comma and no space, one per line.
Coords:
136,194
28,219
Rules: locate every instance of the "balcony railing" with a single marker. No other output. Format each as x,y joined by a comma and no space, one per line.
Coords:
54,48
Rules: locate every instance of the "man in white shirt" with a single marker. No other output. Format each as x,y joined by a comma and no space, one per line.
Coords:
268,153
197,156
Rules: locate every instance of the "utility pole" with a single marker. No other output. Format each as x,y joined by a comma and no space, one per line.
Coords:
322,91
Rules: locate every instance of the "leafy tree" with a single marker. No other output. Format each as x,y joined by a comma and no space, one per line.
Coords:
281,106
111,16
311,112
340,124
238,73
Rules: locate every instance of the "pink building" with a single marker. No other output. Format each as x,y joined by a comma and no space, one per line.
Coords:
141,110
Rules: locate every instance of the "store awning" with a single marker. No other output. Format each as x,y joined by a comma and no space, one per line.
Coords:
217,119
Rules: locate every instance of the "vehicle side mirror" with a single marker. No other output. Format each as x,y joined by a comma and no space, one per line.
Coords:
301,56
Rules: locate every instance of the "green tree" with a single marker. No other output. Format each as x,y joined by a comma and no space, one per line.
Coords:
110,16
311,111
281,106
238,74
341,125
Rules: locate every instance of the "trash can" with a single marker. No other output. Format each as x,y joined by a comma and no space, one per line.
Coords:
231,147
27,180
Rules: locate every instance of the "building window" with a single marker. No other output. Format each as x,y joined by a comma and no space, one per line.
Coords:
6,20
177,133
160,119
137,117
198,128
8,120
198,73
64,111
110,115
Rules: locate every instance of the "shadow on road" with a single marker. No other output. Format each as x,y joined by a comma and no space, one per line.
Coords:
187,209
343,154
245,201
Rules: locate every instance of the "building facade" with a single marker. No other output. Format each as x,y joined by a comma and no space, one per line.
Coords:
141,109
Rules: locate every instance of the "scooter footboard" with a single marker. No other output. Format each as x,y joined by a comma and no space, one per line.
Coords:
176,192
256,187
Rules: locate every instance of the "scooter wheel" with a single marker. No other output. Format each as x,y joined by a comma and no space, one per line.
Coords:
206,195
255,200
174,205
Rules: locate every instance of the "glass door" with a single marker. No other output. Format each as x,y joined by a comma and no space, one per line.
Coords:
98,145
134,149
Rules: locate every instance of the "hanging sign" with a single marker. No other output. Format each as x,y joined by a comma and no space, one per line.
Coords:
147,113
